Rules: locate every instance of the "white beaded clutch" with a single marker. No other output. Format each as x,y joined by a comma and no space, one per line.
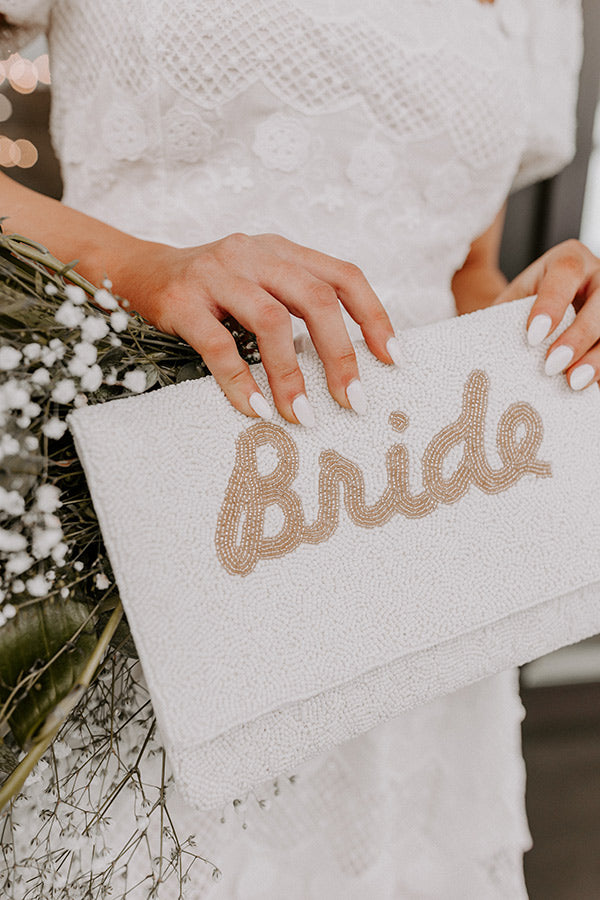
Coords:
289,588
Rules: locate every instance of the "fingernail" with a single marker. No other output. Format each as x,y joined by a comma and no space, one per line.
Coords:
304,411
260,405
357,397
393,348
558,360
581,376
539,329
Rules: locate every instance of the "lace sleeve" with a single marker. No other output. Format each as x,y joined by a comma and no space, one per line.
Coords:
555,54
20,22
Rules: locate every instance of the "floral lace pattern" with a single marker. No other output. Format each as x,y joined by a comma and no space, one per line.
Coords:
390,135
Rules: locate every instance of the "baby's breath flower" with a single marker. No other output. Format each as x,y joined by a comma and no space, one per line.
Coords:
101,581
18,586
12,541
86,352
11,502
9,610
14,394
58,557
80,400
41,376
10,357
64,391
47,498
9,446
135,380
24,421
78,565
49,520
75,294
111,378
32,351
19,563
92,379
51,289
31,442
48,357
64,592
69,315
94,328
58,346
118,320
54,428
105,300
115,341
77,366
32,409
37,586
44,539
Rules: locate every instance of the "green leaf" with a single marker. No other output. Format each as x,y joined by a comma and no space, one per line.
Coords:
27,642
191,370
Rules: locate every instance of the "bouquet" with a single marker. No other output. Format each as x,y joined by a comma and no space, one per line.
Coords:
71,702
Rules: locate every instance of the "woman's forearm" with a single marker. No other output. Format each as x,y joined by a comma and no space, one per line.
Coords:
69,234
479,281
476,286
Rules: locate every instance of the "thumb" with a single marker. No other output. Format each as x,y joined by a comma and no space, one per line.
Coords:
524,285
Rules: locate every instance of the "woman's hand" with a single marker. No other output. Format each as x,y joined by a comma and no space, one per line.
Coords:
568,273
260,279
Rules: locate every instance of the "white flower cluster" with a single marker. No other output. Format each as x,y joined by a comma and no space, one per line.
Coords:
63,371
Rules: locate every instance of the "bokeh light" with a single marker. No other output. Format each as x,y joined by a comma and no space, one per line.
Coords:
24,76
10,154
5,108
42,67
28,155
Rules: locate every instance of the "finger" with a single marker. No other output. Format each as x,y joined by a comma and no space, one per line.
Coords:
218,349
558,287
270,321
524,285
577,339
354,291
317,303
587,370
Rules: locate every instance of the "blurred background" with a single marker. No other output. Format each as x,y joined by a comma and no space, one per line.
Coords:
561,692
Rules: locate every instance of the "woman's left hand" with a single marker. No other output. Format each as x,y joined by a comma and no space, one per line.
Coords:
568,273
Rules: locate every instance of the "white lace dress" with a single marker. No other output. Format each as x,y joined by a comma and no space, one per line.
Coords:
389,134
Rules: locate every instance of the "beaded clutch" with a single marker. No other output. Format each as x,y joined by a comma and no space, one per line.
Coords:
289,588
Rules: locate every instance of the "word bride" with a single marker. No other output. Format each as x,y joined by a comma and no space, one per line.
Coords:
240,539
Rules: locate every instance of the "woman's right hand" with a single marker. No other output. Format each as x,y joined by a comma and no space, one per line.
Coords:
260,279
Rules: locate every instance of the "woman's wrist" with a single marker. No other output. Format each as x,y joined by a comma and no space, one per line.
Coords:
133,266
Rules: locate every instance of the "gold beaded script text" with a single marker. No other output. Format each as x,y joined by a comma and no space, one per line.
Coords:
240,540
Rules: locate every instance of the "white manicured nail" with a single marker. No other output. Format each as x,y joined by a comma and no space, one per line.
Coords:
581,376
539,329
393,348
304,411
558,360
260,405
357,397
